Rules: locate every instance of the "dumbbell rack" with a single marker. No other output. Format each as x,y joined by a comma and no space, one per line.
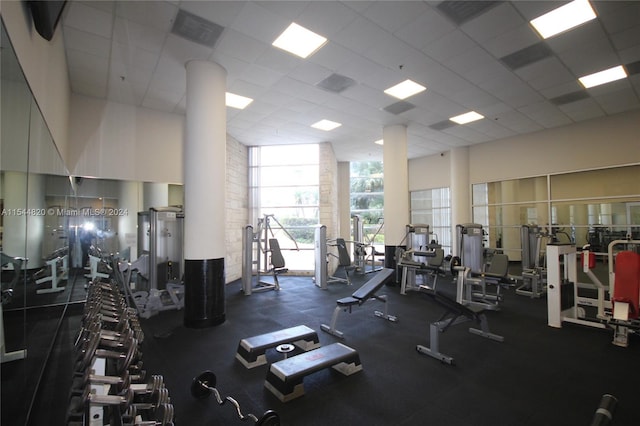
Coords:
109,386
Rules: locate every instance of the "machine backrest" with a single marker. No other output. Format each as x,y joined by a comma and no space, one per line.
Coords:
277,260
344,259
438,259
499,265
627,280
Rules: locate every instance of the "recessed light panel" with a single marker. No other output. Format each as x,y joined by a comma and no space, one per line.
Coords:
405,89
563,18
237,101
602,77
299,41
467,118
379,142
326,125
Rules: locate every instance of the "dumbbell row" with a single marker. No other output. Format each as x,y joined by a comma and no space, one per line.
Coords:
111,331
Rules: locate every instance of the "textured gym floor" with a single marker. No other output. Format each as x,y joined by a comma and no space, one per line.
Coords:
538,376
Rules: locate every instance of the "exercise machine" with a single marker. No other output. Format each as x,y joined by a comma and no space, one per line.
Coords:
17,264
534,272
484,271
261,254
422,261
323,259
564,304
160,286
365,253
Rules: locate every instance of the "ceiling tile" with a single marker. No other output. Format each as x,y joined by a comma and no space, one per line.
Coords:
426,28
449,46
88,19
155,14
496,21
393,16
138,35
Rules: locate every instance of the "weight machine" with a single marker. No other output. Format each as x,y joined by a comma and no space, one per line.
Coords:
534,272
616,305
360,256
158,283
261,254
18,263
481,269
422,258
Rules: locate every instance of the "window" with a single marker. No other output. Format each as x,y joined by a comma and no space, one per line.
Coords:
367,200
284,186
433,207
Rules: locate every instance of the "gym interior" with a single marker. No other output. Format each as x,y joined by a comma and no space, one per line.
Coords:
464,254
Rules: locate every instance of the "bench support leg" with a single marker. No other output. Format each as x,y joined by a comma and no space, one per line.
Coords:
385,314
434,344
331,329
484,331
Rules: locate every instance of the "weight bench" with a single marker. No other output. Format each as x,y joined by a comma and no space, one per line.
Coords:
455,313
252,350
285,378
359,297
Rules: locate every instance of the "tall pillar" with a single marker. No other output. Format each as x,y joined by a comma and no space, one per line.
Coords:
155,195
460,191
127,223
204,194
344,199
396,190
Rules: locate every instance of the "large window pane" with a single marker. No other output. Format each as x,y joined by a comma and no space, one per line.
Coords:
284,187
433,207
289,175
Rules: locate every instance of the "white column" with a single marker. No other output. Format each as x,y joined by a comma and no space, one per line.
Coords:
396,190
460,191
204,194
155,195
127,223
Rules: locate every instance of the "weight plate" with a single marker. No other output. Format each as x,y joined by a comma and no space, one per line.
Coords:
201,384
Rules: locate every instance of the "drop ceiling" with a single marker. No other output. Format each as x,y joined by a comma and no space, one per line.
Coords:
488,59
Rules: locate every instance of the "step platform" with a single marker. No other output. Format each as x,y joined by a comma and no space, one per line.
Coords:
285,379
252,350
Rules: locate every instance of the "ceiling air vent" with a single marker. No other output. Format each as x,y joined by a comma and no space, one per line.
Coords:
527,56
567,98
336,83
633,68
463,11
399,107
196,29
441,125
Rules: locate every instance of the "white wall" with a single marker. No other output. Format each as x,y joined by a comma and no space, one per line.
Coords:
45,67
605,142
117,141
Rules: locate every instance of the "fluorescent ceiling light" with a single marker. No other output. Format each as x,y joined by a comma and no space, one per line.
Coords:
299,41
379,142
602,77
564,18
237,101
466,118
326,125
405,89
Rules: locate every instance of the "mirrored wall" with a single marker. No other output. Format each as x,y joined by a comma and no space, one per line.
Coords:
585,207
33,242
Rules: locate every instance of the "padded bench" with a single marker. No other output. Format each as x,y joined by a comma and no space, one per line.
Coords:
252,350
455,313
285,378
359,297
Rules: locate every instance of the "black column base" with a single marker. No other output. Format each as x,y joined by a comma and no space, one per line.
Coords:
204,304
